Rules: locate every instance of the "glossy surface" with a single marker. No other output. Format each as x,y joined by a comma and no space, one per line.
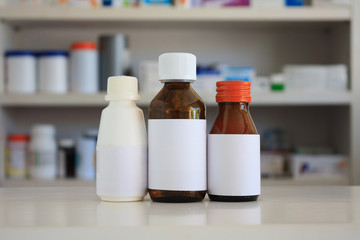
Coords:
176,100
282,212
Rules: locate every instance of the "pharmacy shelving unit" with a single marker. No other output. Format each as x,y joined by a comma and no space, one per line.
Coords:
264,38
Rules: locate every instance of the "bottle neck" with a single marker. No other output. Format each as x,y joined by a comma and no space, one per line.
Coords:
236,106
177,85
122,103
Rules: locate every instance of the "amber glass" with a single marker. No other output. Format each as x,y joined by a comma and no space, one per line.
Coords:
233,118
177,100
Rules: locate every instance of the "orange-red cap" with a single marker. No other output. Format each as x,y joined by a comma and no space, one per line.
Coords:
83,46
18,138
233,91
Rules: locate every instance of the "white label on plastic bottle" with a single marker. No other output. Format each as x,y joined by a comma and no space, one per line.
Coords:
234,164
121,171
177,154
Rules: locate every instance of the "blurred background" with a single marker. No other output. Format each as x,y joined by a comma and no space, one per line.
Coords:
300,56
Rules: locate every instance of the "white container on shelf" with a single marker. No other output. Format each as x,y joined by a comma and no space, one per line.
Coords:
53,71
84,66
268,3
20,71
322,166
331,3
84,3
42,157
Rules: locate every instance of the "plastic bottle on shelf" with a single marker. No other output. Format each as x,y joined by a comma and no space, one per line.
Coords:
20,71
233,146
86,149
16,155
121,151
53,71
42,157
84,72
113,57
66,158
177,134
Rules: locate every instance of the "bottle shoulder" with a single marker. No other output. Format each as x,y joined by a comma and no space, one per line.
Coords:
233,122
177,103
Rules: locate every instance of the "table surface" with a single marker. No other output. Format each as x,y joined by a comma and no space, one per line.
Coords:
280,213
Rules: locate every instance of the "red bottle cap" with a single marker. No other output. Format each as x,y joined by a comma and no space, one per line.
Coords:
18,138
233,91
83,46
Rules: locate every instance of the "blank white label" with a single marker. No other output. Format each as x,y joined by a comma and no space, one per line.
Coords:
121,171
234,164
177,154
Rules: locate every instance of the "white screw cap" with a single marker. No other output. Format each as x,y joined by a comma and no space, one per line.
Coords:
122,88
177,66
43,129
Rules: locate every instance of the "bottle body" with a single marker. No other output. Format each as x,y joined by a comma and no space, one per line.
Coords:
66,159
42,157
16,156
177,145
233,147
121,153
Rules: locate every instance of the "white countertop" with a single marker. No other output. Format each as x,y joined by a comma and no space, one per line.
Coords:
280,213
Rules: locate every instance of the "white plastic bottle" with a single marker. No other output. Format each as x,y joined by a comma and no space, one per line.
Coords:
121,151
42,158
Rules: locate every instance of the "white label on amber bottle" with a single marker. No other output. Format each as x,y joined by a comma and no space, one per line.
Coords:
177,154
234,164
121,171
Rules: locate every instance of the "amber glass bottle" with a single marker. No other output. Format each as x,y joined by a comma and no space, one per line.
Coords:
234,146
177,134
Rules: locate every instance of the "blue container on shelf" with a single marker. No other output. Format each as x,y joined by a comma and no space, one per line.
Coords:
295,3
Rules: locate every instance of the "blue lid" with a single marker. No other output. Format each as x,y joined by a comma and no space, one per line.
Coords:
19,53
53,53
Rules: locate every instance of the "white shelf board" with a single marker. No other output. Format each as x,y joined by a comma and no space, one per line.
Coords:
97,100
301,98
66,100
18,14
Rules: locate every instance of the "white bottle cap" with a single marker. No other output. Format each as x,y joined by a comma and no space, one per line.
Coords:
43,129
66,143
177,66
122,88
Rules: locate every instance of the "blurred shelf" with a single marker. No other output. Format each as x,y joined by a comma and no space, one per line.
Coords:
334,181
13,183
52,14
301,98
60,100
97,100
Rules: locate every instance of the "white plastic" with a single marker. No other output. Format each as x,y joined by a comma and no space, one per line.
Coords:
84,71
66,142
42,162
177,66
122,88
21,74
121,145
53,74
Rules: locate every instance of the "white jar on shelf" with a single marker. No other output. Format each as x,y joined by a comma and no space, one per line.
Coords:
20,71
84,73
53,71
42,157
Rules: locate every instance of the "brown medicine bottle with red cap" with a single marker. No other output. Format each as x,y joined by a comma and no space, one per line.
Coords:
233,146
